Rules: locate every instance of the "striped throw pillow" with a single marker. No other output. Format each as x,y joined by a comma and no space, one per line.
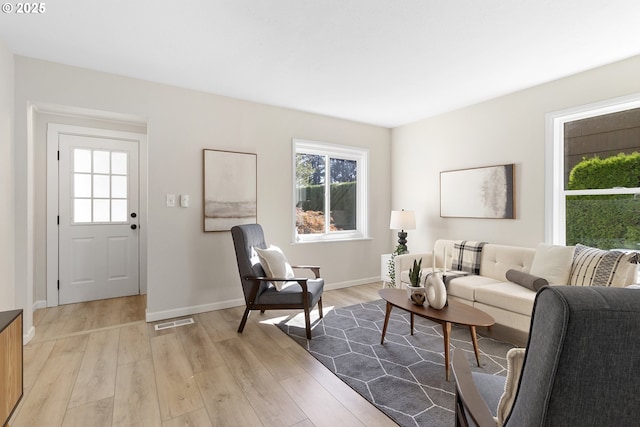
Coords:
597,267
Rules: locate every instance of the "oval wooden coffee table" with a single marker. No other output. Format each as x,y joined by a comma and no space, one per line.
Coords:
454,312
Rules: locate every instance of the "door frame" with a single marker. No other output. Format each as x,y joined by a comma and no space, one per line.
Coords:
53,130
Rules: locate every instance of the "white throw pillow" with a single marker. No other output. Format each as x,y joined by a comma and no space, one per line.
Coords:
275,265
553,263
515,360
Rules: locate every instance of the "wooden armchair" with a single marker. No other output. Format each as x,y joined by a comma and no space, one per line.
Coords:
259,292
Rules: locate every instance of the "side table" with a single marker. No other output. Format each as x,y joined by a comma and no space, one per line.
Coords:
384,268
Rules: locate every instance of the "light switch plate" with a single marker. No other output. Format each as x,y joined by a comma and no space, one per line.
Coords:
171,200
184,200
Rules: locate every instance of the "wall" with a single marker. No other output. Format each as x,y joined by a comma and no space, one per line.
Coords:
509,129
186,267
7,284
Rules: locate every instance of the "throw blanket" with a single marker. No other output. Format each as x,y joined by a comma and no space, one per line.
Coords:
466,256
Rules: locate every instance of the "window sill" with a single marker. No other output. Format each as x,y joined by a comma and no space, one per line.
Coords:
354,239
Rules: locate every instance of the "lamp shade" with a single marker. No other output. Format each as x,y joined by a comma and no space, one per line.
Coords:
402,220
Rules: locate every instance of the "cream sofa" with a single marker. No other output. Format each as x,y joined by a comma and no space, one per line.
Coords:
510,304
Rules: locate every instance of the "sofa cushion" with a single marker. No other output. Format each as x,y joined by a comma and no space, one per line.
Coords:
553,263
498,259
508,296
527,280
465,286
597,267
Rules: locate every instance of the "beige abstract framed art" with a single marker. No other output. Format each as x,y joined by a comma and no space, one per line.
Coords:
229,189
483,192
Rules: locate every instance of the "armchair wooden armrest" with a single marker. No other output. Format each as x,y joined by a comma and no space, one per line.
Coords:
274,279
467,395
314,268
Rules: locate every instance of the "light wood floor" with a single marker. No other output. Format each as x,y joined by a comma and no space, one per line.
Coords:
99,364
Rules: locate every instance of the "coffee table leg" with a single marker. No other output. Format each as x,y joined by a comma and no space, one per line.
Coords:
472,330
446,331
386,322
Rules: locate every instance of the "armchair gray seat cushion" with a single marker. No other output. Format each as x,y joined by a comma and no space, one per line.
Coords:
292,293
490,388
581,367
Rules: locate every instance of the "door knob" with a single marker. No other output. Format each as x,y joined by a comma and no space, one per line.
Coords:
133,226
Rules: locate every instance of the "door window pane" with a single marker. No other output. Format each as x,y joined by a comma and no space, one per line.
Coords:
119,163
82,210
119,187
101,210
81,185
101,186
81,160
118,211
101,163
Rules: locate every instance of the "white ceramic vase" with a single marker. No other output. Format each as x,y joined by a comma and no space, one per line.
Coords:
436,291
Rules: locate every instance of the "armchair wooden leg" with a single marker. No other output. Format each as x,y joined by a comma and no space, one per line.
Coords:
244,320
320,307
307,322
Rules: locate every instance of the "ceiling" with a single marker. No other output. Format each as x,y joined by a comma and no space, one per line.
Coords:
383,62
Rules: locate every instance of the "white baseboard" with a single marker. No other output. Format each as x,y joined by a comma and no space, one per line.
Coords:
39,304
351,283
28,336
186,311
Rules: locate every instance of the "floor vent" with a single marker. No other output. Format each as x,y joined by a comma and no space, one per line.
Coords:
174,324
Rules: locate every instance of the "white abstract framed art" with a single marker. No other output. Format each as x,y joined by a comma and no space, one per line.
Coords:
229,190
483,192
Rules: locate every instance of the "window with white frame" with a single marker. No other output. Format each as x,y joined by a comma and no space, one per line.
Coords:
330,191
593,175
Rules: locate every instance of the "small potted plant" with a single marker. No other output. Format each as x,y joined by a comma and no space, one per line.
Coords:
415,290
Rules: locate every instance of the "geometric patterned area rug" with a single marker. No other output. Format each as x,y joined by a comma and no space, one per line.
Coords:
405,377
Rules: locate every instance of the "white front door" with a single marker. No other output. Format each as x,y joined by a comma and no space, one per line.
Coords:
98,217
